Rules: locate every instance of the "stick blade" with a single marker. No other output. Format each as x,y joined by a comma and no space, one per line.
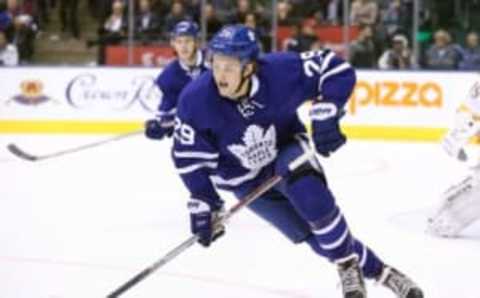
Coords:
20,153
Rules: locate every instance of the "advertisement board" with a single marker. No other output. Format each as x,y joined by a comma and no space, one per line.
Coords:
405,104
384,105
73,99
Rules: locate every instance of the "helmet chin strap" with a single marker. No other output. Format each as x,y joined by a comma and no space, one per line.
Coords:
245,79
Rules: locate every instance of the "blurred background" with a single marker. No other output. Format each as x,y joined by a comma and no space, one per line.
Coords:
73,54
371,34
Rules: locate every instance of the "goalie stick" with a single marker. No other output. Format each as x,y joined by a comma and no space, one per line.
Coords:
243,202
20,153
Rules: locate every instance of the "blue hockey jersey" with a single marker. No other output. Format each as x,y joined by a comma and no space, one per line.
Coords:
174,78
228,143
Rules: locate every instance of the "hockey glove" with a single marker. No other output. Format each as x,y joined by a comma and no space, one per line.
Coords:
326,132
159,127
204,220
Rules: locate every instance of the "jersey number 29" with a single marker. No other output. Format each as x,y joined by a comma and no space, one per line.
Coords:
311,62
184,133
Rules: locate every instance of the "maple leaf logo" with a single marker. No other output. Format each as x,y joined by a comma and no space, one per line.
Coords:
259,148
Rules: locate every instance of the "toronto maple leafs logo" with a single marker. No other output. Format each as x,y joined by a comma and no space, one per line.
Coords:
248,107
259,148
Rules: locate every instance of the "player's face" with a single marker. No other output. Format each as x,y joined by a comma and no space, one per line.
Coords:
185,46
227,72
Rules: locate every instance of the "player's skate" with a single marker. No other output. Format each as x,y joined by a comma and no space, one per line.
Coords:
399,283
351,278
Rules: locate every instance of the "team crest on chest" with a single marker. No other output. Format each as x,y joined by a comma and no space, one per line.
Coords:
259,147
248,108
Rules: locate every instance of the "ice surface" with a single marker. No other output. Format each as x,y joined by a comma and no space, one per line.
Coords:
82,224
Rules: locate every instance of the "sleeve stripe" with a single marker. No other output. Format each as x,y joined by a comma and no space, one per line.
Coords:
195,154
171,112
363,260
167,124
340,68
194,167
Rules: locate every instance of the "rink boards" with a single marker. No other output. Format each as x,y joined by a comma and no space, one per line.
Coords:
398,105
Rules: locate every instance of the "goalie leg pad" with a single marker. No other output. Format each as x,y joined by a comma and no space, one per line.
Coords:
459,208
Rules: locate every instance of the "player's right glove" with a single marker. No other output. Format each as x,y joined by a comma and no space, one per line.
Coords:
204,220
159,127
327,136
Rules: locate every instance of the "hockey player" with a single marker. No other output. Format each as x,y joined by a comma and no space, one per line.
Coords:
460,204
237,125
176,75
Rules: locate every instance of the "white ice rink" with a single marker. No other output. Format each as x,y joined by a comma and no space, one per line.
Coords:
82,224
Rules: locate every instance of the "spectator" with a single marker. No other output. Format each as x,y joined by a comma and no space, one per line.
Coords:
116,24
362,51
333,11
392,18
242,9
470,58
23,36
160,8
292,43
284,16
13,8
112,32
398,57
302,9
8,52
213,23
193,9
303,38
29,7
16,8
364,12
177,14
69,17
147,23
318,10
251,22
442,55
223,8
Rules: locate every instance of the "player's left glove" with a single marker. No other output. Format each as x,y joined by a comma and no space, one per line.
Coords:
204,220
327,136
159,127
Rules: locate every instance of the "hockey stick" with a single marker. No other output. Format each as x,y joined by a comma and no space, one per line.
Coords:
243,202
18,152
